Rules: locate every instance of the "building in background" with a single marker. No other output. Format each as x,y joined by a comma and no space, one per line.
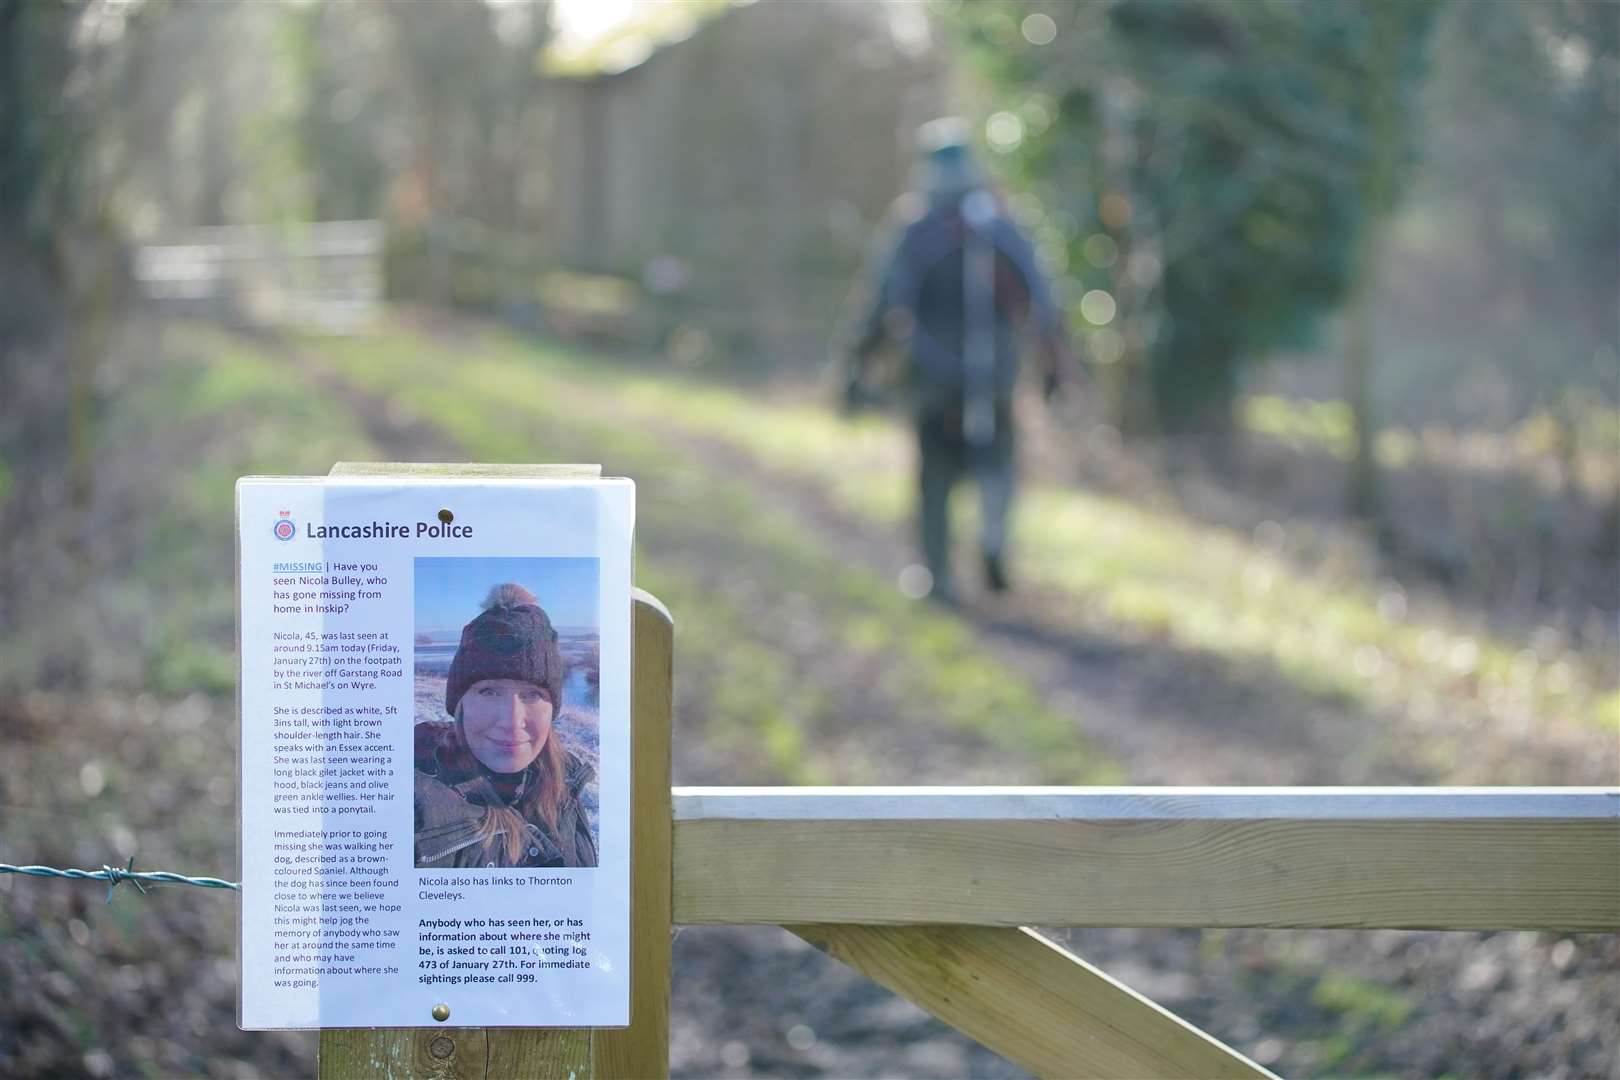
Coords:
731,181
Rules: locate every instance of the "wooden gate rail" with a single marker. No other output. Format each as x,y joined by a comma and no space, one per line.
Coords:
875,872
1410,858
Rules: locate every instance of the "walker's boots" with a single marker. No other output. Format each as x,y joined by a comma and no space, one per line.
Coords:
995,574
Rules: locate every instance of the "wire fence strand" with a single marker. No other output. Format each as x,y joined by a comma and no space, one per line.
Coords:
113,875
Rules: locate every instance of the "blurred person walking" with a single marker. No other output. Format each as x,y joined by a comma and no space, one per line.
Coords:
956,287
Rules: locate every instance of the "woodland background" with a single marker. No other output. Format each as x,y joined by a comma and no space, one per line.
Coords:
1339,501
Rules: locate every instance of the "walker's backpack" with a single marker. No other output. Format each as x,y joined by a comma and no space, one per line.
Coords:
968,278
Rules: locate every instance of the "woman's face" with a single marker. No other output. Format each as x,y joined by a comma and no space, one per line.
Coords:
507,722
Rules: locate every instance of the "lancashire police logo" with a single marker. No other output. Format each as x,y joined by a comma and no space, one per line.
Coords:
285,527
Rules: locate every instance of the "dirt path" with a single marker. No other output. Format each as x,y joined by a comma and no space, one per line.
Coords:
1169,715
759,1002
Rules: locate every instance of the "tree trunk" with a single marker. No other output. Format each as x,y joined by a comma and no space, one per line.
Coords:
1127,382
1365,495
1365,498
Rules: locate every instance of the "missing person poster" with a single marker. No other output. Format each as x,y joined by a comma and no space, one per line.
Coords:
435,754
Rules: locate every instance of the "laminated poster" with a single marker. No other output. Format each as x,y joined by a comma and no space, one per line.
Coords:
435,754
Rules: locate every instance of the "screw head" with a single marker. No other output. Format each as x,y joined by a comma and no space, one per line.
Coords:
441,1012
442,1047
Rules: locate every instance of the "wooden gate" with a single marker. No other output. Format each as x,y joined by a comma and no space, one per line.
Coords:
930,891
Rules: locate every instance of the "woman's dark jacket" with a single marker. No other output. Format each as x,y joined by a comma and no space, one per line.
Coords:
453,791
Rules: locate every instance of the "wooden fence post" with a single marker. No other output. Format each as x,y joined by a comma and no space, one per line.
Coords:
638,1052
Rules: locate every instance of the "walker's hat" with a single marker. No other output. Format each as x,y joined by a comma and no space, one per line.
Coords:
945,134
946,148
511,639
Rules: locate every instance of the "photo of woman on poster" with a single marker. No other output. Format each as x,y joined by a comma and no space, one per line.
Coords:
497,782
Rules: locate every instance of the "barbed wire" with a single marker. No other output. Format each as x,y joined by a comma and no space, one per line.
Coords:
112,875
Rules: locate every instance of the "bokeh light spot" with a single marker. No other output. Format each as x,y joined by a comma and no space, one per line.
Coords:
915,581
1039,29
1144,269
1107,346
1005,131
1100,250
1037,113
1098,307
1115,210
92,778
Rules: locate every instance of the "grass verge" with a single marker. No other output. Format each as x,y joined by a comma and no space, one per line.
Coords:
194,408
512,403
1153,571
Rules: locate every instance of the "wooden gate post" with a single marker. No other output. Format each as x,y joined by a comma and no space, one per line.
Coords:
642,1049
638,1052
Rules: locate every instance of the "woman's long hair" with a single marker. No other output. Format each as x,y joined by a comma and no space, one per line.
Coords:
504,832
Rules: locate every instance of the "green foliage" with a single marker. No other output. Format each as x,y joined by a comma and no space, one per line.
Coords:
1524,193
199,409
184,666
1361,1002
1606,711
1584,429
1208,165
35,64
1303,425
336,57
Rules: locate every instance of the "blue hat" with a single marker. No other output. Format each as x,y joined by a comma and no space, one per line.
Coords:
946,150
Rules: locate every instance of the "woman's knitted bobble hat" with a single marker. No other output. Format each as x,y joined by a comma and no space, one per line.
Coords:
512,639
